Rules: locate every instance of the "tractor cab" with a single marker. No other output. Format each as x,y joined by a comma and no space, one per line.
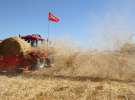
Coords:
33,39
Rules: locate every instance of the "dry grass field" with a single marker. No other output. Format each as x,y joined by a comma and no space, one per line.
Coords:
60,88
76,75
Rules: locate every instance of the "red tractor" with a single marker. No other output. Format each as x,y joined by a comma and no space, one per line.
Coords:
17,55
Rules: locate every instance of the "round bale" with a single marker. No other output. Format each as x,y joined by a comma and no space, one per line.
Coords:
14,46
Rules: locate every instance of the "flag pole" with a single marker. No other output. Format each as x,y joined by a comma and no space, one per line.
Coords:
52,18
48,37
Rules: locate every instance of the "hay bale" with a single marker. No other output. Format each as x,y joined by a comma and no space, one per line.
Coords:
14,46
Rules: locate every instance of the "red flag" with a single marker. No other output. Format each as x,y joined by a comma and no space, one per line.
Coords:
53,18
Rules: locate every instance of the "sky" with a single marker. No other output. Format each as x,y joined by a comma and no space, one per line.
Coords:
89,23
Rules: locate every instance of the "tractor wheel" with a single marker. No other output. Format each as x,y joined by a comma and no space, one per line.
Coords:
40,63
43,63
18,71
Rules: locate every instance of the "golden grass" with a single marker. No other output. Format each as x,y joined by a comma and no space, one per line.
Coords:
76,75
21,88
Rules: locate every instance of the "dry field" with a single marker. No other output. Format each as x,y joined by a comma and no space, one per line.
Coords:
75,75
60,88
